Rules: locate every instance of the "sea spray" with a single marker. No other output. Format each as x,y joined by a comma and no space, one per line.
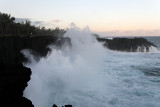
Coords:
69,74
147,49
87,75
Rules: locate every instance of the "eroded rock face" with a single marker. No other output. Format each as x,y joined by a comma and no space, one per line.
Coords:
128,45
62,106
13,80
10,47
13,75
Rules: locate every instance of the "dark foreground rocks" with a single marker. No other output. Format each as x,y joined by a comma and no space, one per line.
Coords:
62,106
11,47
127,44
13,80
13,75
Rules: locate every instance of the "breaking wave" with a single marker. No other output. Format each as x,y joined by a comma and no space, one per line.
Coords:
88,75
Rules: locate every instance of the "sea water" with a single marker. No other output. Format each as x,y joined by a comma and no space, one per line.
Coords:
89,75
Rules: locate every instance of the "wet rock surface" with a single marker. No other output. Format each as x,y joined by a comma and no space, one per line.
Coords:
13,75
62,106
127,45
13,80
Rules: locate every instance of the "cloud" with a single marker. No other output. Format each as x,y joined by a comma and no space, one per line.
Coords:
140,32
21,19
47,24
56,21
39,23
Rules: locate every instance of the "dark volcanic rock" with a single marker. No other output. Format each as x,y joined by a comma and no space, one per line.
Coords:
13,75
125,44
68,106
62,106
54,105
10,47
13,80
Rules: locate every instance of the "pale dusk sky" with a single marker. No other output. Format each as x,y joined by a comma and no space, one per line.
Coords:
105,17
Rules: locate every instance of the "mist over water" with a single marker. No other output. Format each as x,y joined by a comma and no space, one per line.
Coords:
65,73
89,75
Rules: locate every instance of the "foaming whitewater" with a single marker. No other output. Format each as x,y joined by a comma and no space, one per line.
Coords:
88,75
66,73
144,49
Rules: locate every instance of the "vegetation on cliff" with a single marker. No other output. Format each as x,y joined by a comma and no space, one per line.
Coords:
9,27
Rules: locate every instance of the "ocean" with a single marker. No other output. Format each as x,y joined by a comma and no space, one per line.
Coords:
89,75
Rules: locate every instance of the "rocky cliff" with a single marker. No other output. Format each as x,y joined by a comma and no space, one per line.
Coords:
14,76
128,45
10,47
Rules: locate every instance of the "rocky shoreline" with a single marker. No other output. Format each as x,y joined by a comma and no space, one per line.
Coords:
14,76
127,45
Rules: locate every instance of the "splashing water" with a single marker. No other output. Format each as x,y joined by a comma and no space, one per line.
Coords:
88,75
64,73
144,49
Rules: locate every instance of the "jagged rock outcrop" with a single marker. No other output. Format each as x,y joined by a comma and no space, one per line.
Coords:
13,75
62,106
67,106
10,47
128,45
13,80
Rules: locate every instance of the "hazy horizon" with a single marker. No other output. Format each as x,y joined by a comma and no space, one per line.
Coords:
104,17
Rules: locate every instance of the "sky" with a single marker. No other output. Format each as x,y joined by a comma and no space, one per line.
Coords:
105,17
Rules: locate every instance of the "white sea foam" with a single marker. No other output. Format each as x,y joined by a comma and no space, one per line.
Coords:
87,75
55,79
144,49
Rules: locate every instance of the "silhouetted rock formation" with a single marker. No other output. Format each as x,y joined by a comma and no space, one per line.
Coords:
13,75
10,47
68,106
62,106
13,80
128,45
54,105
